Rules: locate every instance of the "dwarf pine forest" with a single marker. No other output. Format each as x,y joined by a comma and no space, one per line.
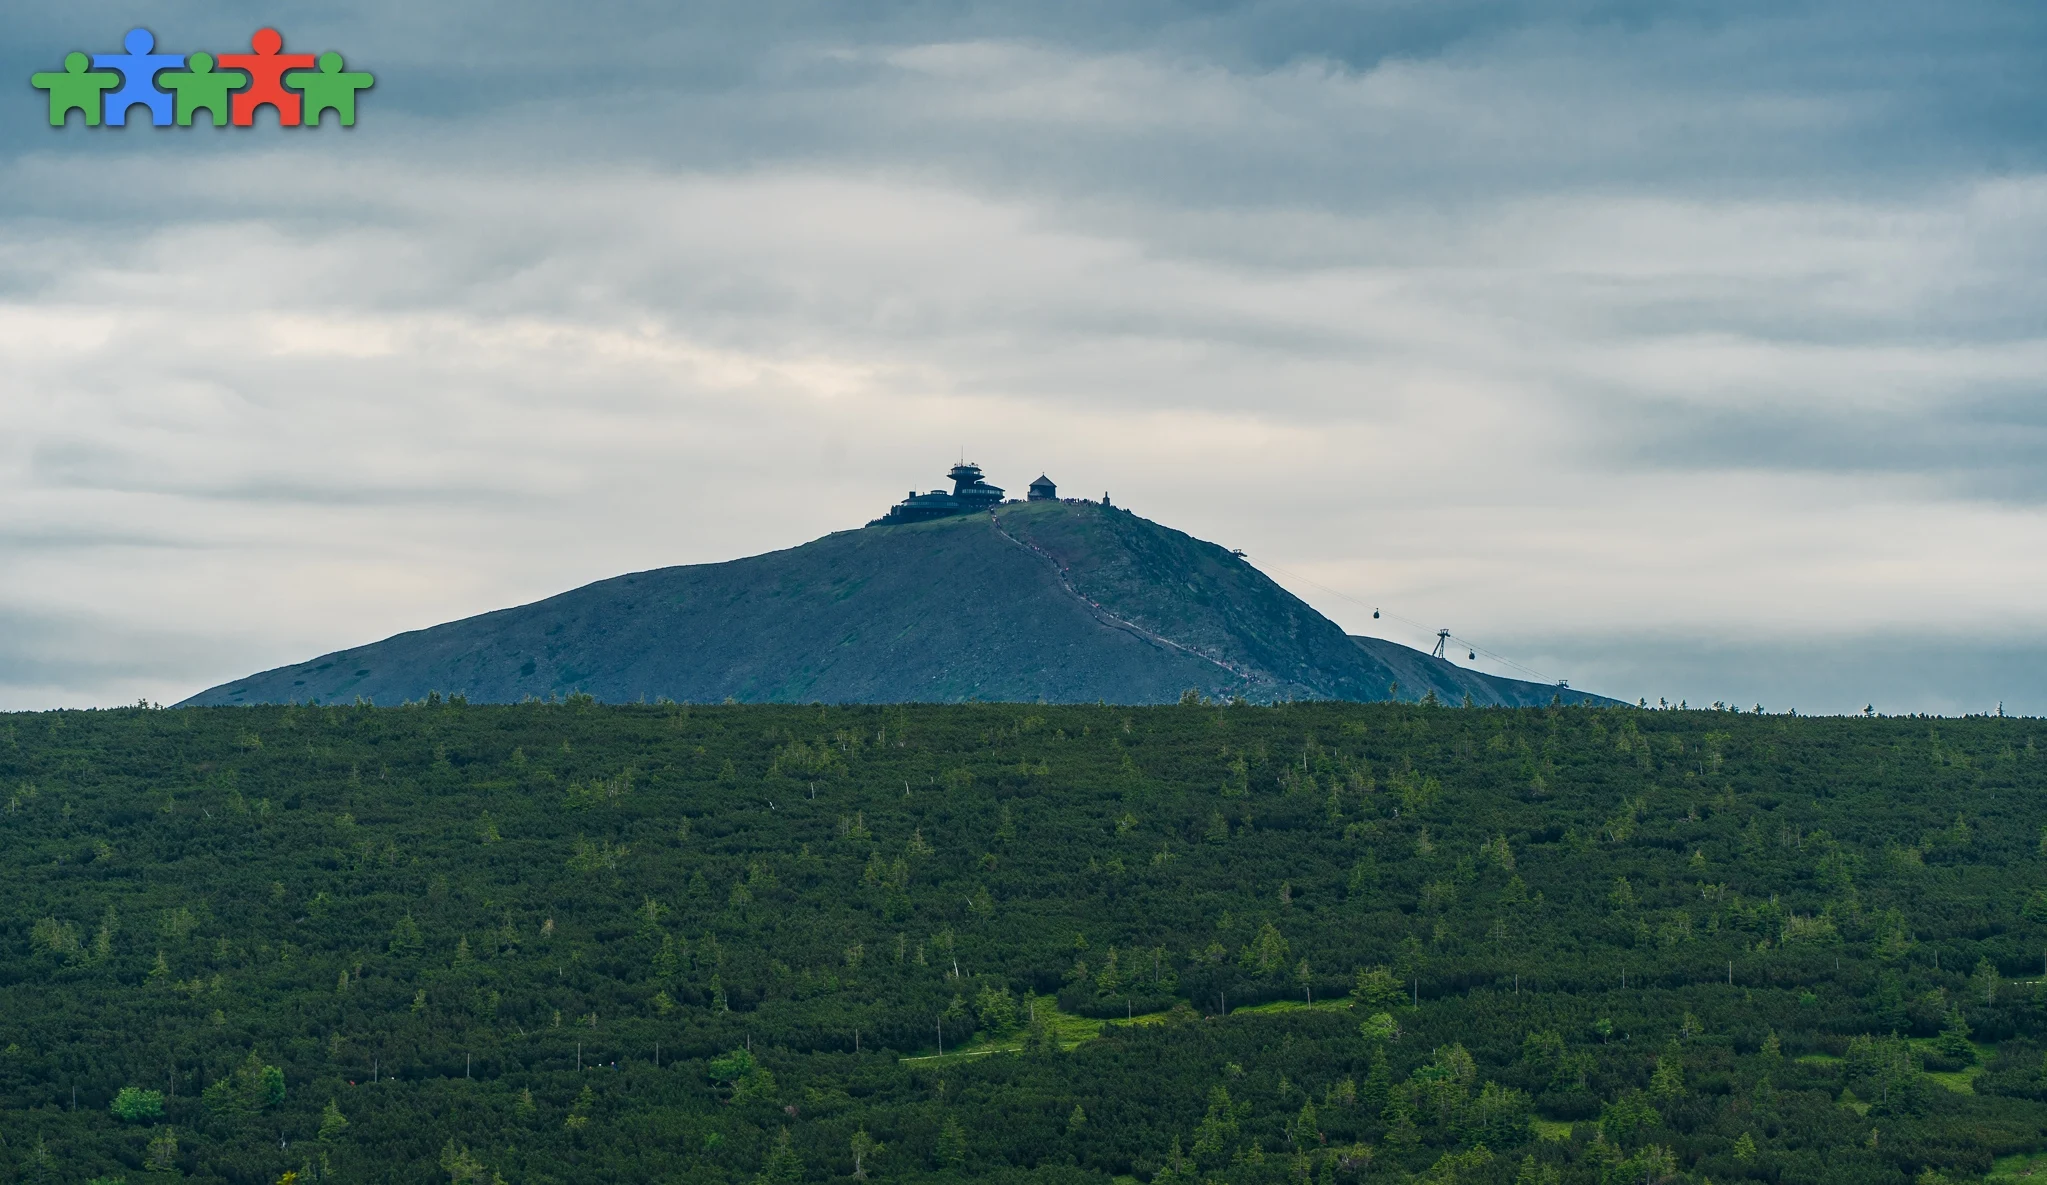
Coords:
1310,943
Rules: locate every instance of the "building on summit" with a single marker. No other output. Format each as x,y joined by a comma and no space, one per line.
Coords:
970,493
1042,490
970,490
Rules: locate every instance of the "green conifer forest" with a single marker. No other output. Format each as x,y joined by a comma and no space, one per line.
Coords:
1312,943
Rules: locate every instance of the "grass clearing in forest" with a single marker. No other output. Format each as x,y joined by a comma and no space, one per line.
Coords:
1962,1081
2025,1166
1074,1030
1959,1081
1551,1129
1071,1030
1336,1005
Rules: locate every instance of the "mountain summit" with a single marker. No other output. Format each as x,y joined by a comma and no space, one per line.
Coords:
1043,600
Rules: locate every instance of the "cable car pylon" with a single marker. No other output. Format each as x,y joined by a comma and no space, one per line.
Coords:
1443,637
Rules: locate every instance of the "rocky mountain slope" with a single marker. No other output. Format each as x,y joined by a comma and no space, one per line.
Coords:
1041,601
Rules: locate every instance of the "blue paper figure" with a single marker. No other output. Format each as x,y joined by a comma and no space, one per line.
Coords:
138,69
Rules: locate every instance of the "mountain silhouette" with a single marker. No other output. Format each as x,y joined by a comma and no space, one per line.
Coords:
1045,600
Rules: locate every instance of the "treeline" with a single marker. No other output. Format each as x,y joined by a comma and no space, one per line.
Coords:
569,941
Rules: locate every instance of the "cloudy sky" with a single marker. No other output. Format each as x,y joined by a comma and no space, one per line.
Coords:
1678,349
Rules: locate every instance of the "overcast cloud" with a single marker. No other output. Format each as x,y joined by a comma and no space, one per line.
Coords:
1689,350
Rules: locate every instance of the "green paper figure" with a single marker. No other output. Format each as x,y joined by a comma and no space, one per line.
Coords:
329,88
200,88
75,88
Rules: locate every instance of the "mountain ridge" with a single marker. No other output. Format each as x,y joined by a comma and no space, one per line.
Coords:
1053,601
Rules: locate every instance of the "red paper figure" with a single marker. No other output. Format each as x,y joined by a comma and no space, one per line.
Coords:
266,69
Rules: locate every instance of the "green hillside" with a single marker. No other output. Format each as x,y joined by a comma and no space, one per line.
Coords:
1040,602
1317,942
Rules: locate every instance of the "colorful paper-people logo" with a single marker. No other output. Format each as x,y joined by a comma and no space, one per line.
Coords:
176,87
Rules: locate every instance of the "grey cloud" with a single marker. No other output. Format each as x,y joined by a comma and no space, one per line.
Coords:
1987,445
62,539
76,659
1767,95
83,465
